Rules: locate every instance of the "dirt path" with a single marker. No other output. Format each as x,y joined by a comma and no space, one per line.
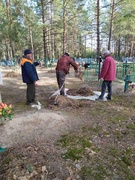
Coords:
30,124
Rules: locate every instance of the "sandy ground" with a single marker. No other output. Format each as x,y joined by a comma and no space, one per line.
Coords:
45,143
32,124
38,124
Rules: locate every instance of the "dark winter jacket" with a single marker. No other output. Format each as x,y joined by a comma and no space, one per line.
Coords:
64,63
29,73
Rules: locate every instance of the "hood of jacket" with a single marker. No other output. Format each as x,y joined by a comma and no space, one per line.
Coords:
26,59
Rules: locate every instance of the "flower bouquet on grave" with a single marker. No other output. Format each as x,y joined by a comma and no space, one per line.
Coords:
5,112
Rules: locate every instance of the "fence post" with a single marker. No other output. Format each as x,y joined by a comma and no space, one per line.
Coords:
127,81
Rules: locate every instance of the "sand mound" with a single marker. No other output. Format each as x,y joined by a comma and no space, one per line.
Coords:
83,91
67,102
64,101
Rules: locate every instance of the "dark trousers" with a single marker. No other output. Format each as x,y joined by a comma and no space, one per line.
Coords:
108,85
30,92
61,81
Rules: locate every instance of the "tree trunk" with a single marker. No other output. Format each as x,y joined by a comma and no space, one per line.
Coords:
44,30
98,36
52,36
12,50
31,41
111,23
64,25
98,28
119,47
74,42
85,46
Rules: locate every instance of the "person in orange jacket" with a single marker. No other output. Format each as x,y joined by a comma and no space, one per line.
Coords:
29,75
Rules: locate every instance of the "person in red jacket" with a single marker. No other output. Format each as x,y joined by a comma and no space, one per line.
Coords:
107,74
62,69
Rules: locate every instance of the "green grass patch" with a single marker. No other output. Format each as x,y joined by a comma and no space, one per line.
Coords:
6,161
127,156
127,160
75,146
118,135
97,172
68,140
128,173
117,118
113,152
121,161
95,129
74,153
73,140
113,164
131,126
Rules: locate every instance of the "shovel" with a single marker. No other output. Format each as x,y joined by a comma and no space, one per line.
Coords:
57,93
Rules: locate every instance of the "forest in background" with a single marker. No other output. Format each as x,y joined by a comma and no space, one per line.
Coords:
84,28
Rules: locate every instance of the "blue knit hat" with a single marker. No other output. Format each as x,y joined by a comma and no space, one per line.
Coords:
27,51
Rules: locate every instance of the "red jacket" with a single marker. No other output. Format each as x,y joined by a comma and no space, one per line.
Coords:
63,64
108,71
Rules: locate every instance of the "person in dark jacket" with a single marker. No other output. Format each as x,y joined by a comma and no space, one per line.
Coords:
62,69
29,75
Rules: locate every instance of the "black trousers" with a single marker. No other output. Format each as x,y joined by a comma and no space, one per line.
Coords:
61,81
108,85
30,92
